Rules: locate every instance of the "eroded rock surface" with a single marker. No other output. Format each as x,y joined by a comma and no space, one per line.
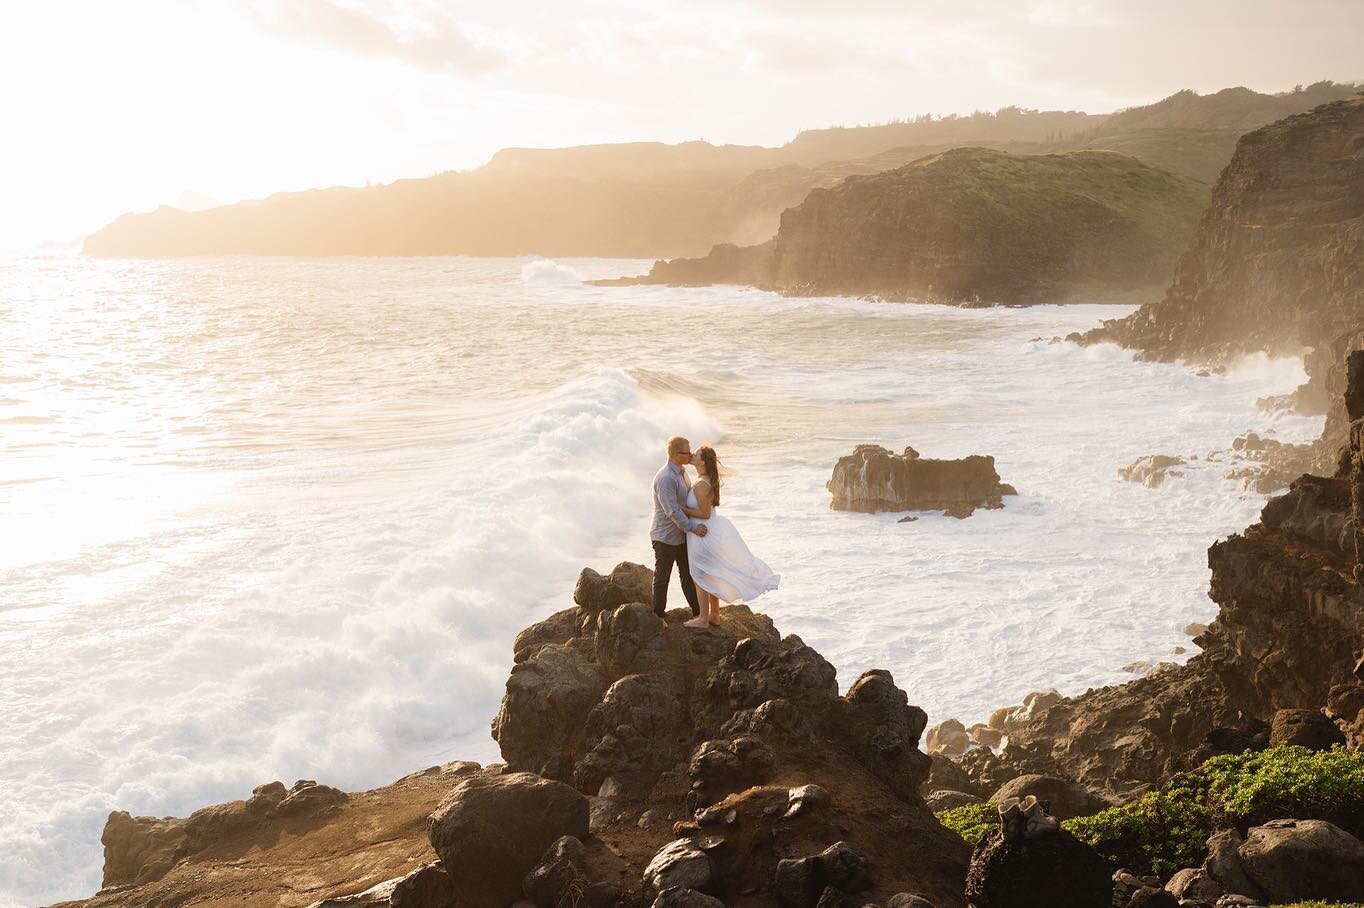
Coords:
873,478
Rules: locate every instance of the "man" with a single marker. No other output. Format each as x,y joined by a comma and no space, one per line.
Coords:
671,526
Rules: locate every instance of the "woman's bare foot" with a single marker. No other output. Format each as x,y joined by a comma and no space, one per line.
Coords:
697,622
714,623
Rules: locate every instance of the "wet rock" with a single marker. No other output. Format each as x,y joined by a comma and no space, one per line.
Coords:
681,864
803,882
874,479
627,582
1152,470
492,830
1067,799
1308,728
1053,870
1295,860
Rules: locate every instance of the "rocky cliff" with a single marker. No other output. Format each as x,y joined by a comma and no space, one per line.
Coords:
723,761
1288,636
971,225
1277,263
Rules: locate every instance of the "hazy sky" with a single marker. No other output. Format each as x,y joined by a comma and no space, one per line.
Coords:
115,106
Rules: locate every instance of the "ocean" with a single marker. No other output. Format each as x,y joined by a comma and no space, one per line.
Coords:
281,518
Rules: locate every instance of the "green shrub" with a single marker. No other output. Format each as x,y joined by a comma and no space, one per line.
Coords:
972,821
1167,829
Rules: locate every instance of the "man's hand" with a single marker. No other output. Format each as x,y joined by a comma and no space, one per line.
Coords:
700,530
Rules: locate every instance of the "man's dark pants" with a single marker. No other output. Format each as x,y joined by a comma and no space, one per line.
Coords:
664,557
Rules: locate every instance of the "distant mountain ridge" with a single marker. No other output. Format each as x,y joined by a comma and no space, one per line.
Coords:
651,200
971,225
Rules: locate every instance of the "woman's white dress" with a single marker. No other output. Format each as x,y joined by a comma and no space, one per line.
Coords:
721,563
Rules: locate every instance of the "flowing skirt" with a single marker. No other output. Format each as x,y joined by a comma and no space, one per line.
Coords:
722,565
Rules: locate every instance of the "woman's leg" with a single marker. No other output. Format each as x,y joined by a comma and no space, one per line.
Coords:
713,606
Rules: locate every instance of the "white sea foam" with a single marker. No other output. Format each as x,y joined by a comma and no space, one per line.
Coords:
282,518
548,271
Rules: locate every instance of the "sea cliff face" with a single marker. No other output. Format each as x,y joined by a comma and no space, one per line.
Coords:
1277,263
971,225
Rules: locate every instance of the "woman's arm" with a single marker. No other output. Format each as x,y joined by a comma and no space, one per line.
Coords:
702,509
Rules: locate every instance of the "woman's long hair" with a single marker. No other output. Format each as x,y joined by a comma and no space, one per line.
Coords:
710,465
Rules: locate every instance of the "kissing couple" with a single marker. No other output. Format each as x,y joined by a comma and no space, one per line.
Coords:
689,531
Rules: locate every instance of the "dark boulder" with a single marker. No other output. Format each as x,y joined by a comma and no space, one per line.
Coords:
492,830
1308,728
1045,872
872,479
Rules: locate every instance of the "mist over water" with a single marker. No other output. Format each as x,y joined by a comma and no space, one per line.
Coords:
281,518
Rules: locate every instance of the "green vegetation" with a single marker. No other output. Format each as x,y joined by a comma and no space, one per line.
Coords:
972,821
1167,829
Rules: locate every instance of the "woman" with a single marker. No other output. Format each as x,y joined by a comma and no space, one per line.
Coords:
721,563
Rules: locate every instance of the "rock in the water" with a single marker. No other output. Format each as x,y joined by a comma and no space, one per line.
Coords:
1306,728
492,830
1045,872
1152,470
1067,799
681,864
872,479
1296,860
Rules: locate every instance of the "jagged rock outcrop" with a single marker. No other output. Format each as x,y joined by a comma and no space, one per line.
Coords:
1277,263
1289,631
738,727
971,225
872,479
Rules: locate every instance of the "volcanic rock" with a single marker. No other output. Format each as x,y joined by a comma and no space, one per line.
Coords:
1277,263
1308,728
872,479
493,828
1152,470
627,582
1052,870
1296,860
681,864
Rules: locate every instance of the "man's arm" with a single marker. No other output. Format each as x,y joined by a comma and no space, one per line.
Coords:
668,492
